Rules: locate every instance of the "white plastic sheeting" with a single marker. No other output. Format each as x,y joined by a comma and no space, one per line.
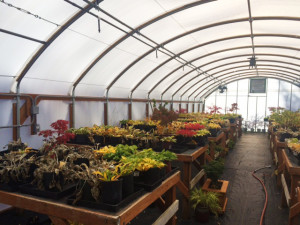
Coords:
80,48
179,48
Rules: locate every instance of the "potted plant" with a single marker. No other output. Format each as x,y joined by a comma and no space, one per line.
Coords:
214,170
201,137
167,142
213,129
204,203
110,185
162,114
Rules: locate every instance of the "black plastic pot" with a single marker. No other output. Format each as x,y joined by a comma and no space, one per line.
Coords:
115,141
85,188
111,192
232,120
150,176
167,145
201,140
49,177
99,139
80,161
127,186
283,136
202,214
82,139
214,132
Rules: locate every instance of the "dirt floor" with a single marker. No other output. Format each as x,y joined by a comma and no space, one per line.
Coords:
245,194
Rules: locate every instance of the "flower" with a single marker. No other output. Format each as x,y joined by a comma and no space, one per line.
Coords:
194,126
186,133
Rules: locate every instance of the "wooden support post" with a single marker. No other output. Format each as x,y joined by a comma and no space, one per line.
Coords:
170,199
186,180
168,215
14,121
179,107
105,113
129,111
197,164
187,108
71,115
147,110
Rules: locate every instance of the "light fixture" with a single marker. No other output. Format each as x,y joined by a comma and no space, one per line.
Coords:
252,62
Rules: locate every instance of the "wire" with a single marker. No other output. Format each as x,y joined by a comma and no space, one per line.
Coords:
27,12
266,193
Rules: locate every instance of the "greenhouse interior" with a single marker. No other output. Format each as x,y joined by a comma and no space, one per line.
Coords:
149,112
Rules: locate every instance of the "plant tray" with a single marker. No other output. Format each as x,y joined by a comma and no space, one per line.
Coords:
178,149
9,187
33,190
102,206
151,187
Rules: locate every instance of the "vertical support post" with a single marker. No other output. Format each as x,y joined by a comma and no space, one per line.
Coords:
187,107
14,108
291,97
147,109
278,92
170,198
237,94
187,170
71,116
256,112
105,113
225,103
193,107
18,106
130,110
248,99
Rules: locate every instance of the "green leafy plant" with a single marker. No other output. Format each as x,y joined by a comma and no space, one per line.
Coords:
168,139
231,144
121,150
214,170
203,199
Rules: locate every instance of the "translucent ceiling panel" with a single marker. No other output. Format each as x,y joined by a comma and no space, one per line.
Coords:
14,53
133,12
64,60
87,25
106,69
5,83
277,8
224,67
278,41
182,44
282,27
218,11
282,51
56,11
170,29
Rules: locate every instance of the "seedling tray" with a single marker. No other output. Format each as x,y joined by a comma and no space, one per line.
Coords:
178,149
9,187
108,207
33,190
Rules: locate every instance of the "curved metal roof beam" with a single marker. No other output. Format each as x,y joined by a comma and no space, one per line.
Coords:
242,74
238,67
209,92
50,40
284,74
212,53
168,41
218,40
137,29
221,59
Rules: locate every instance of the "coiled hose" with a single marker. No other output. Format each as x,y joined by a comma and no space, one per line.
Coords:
266,193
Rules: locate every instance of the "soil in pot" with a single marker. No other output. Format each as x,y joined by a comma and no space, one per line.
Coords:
111,192
115,141
202,214
99,140
127,186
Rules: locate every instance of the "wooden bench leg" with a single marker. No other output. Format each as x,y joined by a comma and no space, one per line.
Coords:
186,180
170,198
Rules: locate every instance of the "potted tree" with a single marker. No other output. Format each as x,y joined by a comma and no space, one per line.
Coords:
214,170
204,203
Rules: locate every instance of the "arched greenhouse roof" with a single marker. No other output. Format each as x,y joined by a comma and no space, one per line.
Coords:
144,48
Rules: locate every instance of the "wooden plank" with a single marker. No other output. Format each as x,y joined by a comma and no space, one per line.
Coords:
166,216
105,113
196,179
197,164
14,109
286,190
129,111
71,116
294,210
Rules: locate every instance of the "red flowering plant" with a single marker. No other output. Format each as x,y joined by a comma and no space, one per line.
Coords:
162,114
234,108
57,135
186,133
214,109
194,126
